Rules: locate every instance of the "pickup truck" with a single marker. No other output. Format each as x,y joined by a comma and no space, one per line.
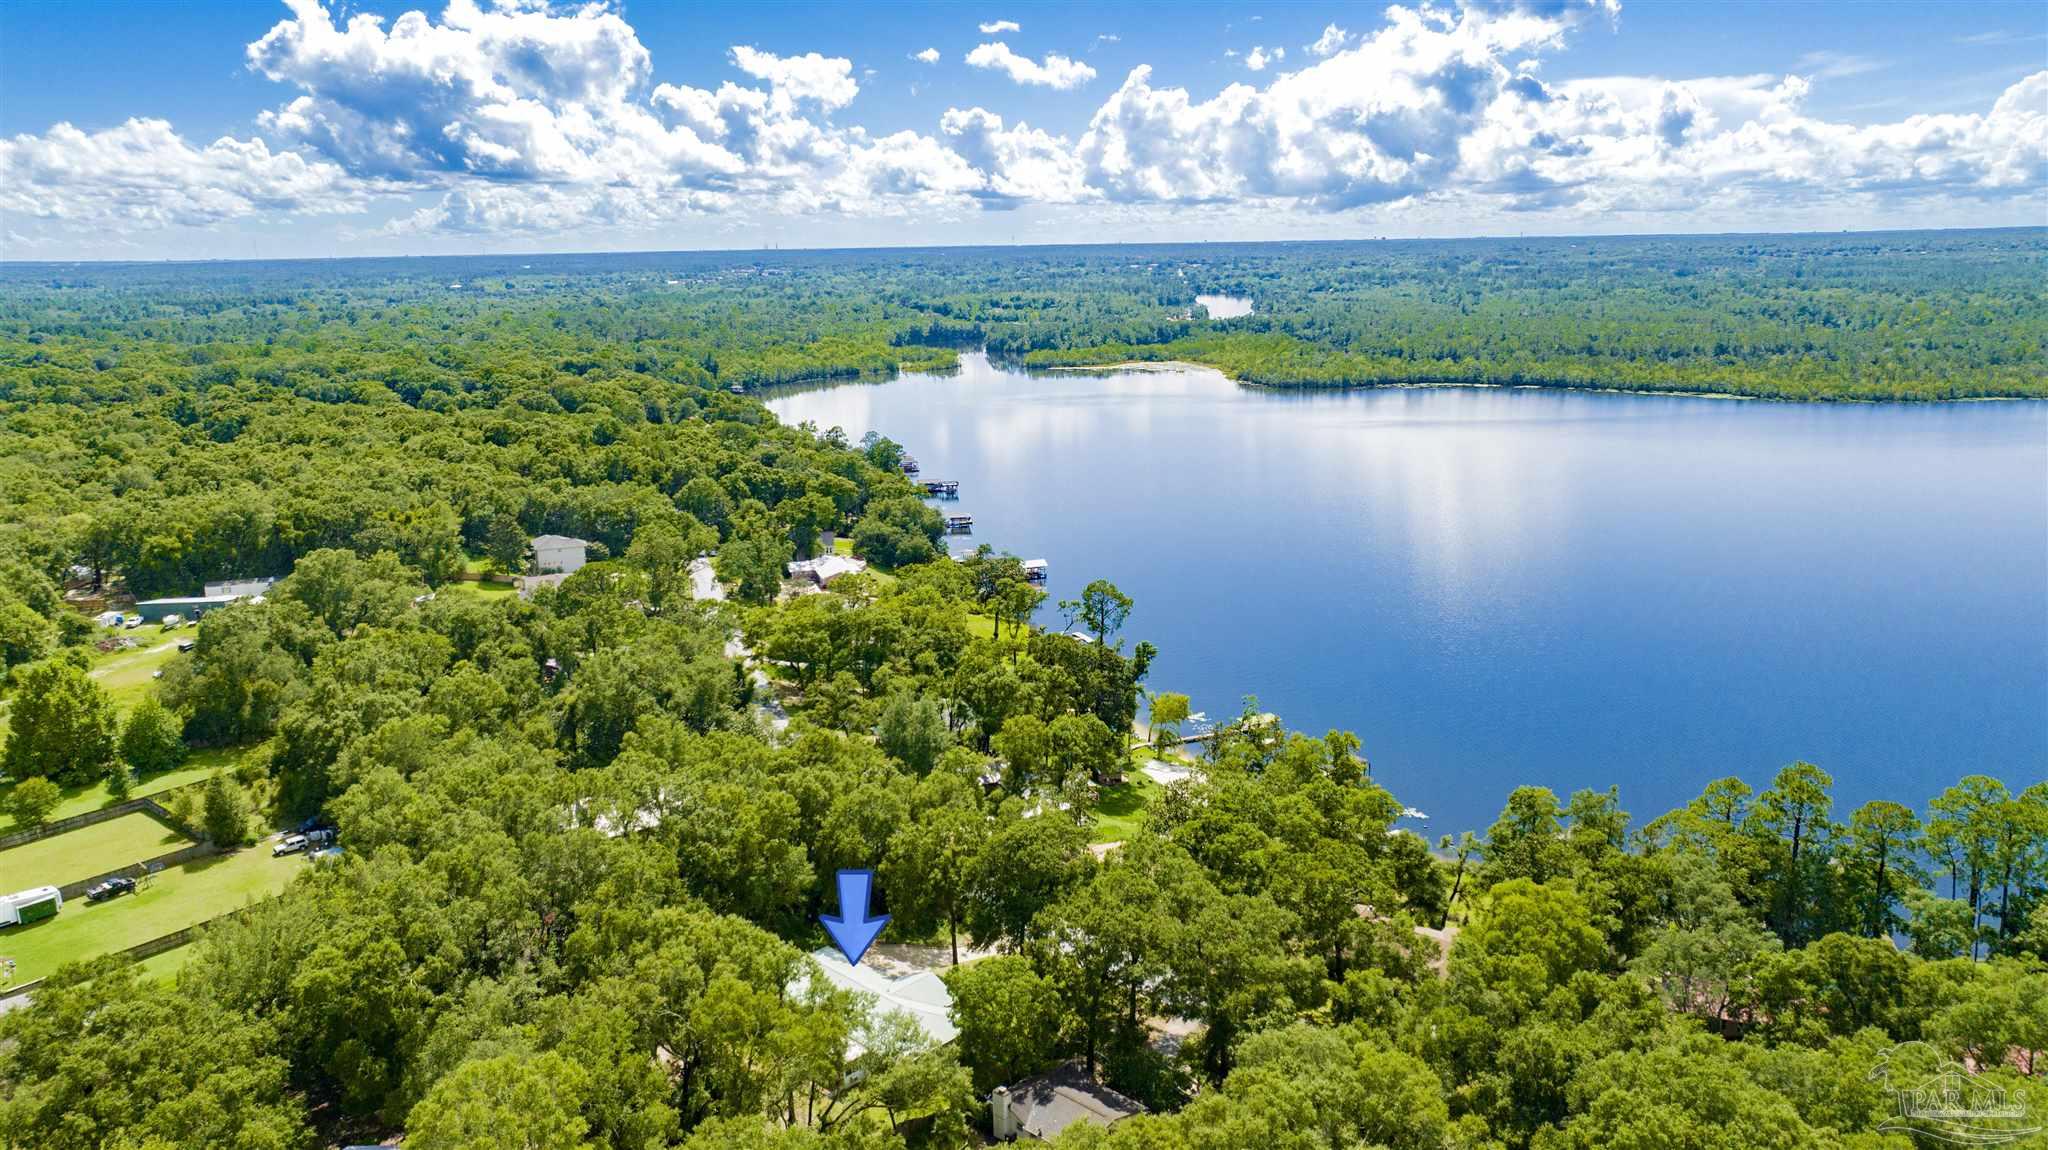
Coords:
112,888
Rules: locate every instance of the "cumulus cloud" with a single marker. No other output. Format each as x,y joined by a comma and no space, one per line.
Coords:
1259,57
998,27
1330,42
524,118
928,56
1055,71
144,174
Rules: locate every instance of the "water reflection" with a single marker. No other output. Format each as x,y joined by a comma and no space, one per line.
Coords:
1225,306
1503,586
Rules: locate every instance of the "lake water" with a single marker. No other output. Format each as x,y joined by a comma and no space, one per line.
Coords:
1494,587
1225,306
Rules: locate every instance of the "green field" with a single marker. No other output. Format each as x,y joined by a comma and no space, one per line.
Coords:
128,674
179,897
198,765
493,592
87,851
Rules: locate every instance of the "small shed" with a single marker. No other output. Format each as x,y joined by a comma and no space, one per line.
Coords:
558,554
1040,1108
32,905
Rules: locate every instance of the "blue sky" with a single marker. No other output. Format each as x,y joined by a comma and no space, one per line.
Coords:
192,130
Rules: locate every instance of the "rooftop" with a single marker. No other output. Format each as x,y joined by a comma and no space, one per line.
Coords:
922,996
1051,1102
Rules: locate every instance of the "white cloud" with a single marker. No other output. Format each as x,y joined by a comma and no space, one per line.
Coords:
1330,42
1259,57
1056,71
928,56
1107,38
142,174
998,27
826,79
547,121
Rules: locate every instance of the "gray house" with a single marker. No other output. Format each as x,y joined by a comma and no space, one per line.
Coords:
1039,1108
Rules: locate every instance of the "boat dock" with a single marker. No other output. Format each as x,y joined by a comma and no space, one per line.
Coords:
1035,570
959,524
910,465
943,488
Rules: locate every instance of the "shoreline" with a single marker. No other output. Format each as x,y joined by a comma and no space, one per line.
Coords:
1189,365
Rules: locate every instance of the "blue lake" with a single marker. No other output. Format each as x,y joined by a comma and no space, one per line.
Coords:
1496,587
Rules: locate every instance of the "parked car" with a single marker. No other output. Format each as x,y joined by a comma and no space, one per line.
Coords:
288,845
112,888
186,644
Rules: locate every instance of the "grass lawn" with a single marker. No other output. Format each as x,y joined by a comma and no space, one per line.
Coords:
493,592
127,675
91,797
981,626
1119,810
164,967
87,851
179,897
842,546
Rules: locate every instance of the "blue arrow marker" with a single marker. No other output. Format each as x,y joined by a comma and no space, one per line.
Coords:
853,930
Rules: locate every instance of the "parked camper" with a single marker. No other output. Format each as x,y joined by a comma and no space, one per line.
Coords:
32,905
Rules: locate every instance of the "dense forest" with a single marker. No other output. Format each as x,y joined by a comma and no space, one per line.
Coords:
1901,315
587,830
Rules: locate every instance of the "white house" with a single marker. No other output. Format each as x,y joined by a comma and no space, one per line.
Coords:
922,997
557,554
824,569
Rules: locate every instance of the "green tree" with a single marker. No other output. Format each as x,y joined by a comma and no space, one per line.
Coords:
151,742
1009,1019
25,636
33,800
225,814
1169,712
1527,840
505,544
913,731
61,725
345,592
1881,853
510,1102
1101,608
931,858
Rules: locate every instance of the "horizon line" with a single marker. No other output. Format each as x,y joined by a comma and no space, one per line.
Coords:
883,248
